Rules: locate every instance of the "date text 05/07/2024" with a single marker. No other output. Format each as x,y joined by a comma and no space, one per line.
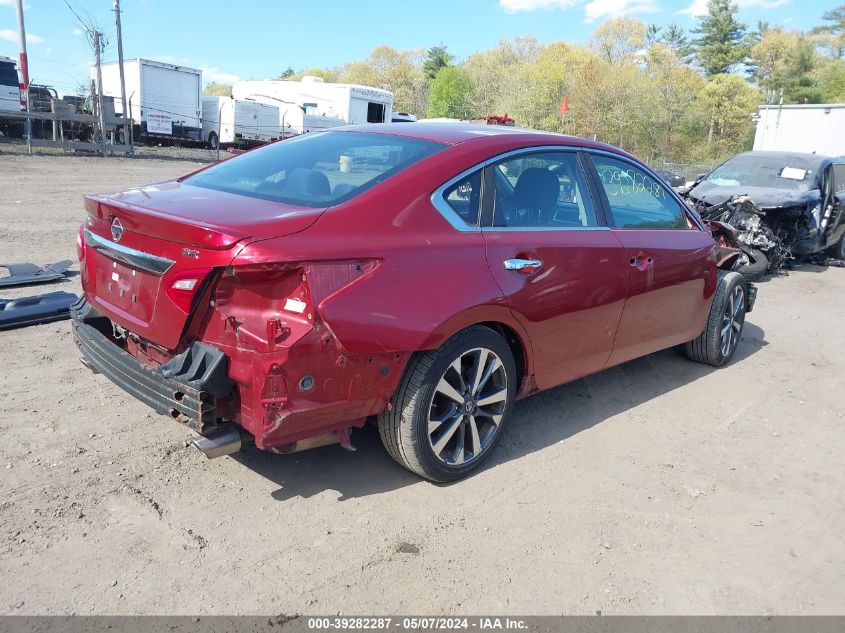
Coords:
415,623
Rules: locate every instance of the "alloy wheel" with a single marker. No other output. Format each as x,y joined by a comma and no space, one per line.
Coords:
732,321
467,406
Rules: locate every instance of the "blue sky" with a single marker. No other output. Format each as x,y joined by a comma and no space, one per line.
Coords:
260,38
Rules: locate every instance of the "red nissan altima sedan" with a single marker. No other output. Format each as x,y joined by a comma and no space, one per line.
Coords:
428,275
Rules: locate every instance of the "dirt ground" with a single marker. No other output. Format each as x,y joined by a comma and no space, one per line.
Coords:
658,487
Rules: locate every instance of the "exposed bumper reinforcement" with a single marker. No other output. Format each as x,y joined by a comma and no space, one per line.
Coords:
186,388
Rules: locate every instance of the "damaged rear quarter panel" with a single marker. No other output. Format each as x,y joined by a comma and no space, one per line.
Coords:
419,282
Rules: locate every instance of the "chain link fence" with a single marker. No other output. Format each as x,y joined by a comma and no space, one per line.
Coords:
67,130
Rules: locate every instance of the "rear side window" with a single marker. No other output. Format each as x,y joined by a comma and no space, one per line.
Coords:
637,200
464,196
8,74
318,169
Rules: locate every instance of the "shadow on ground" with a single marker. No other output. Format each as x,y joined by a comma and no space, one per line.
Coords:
539,421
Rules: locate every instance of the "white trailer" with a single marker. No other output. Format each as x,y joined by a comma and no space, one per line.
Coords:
809,128
10,92
329,104
245,123
163,99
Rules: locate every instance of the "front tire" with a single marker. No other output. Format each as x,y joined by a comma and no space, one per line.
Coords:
717,344
837,251
452,405
757,264
213,140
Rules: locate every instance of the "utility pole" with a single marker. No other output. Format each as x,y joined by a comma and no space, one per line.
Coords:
126,121
100,117
24,72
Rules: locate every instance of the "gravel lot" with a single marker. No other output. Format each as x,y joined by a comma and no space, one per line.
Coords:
659,487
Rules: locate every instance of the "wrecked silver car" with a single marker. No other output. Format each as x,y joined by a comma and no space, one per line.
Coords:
783,205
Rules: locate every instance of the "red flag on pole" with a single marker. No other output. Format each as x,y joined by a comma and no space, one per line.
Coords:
564,106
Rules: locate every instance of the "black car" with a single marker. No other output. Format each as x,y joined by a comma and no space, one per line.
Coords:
671,178
785,205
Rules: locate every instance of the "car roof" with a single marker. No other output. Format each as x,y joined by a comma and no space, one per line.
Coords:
454,133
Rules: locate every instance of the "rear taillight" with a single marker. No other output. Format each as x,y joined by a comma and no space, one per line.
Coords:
183,286
80,243
267,304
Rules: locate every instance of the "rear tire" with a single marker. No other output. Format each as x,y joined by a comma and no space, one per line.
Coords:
213,140
452,405
717,344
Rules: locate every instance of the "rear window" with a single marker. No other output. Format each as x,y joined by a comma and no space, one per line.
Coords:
8,74
319,169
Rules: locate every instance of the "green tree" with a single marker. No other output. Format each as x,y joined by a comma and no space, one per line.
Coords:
287,73
721,43
674,37
728,103
618,40
831,76
499,78
436,57
450,95
675,89
215,89
833,34
769,61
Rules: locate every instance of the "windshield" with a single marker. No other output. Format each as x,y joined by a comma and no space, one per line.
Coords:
793,173
319,169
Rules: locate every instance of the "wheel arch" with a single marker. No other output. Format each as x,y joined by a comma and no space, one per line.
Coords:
501,320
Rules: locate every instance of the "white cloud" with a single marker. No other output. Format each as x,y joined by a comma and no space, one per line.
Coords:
699,7
616,8
12,36
216,75
13,4
593,10
514,6
77,32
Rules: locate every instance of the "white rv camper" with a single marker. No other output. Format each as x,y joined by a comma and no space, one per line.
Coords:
244,123
809,128
164,99
321,104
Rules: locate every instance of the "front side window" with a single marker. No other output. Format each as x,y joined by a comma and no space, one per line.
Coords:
839,178
318,169
544,190
637,200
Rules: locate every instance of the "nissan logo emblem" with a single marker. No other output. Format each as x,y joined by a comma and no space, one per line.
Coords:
116,230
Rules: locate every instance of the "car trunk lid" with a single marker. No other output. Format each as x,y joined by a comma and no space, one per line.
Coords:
148,254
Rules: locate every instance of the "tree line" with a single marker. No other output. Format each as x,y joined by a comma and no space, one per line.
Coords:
662,93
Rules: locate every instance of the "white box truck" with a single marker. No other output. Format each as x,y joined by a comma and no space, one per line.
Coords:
808,128
320,104
164,99
227,121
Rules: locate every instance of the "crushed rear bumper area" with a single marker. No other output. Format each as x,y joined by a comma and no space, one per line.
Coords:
186,388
